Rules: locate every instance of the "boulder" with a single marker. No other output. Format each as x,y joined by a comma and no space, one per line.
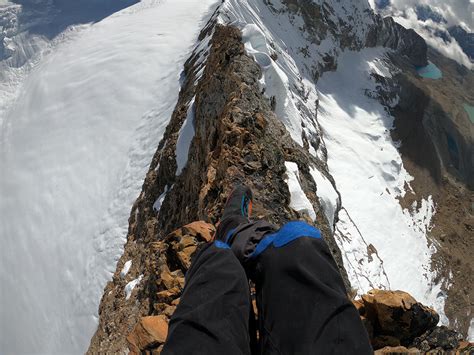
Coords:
149,332
397,314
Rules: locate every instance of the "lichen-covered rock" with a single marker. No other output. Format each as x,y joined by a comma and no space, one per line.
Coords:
438,338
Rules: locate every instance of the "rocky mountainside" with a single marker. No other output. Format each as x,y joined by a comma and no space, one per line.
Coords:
259,104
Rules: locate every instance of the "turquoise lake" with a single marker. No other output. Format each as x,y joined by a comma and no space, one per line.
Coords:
431,71
470,111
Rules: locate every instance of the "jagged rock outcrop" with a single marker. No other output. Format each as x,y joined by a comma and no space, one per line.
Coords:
148,334
388,33
396,314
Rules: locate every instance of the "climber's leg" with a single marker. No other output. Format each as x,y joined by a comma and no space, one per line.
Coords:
302,302
213,314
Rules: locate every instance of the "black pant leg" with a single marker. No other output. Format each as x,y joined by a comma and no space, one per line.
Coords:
213,314
302,301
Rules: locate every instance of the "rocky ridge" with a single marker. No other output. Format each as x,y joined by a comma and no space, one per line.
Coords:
237,139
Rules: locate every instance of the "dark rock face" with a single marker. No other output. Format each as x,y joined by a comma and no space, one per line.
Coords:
465,40
377,31
404,41
425,12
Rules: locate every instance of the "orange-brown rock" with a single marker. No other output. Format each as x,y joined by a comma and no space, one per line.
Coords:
167,296
389,350
465,347
175,302
150,332
359,305
169,311
185,240
396,313
171,279
202,230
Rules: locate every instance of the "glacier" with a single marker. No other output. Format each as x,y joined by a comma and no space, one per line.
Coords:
76,127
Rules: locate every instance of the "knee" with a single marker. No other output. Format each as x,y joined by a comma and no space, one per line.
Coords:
296,234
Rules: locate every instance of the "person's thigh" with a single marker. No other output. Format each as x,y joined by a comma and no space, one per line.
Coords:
213,314
302,302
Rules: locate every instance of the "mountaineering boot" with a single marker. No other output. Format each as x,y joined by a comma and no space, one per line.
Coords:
235,230
239,203
237,210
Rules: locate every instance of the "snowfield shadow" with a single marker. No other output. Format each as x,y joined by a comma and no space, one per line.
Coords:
51,17
29,25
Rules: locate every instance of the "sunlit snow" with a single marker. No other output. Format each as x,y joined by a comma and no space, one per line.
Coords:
299,201
126,268
131,285
328,196
185,136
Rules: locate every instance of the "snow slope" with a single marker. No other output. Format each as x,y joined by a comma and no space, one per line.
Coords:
74,148
370,176
299,201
